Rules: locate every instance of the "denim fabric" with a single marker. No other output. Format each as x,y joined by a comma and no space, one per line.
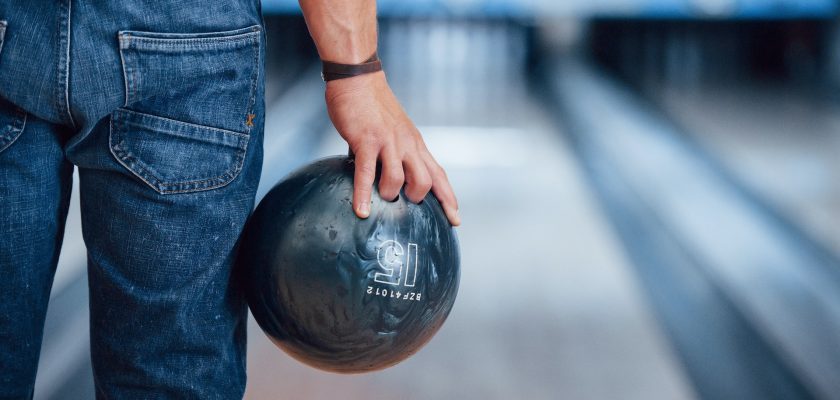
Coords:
160,106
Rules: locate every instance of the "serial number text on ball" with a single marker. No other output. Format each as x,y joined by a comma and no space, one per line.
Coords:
395,294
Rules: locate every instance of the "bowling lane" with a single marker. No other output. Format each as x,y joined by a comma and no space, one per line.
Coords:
779,141
548,306
761,298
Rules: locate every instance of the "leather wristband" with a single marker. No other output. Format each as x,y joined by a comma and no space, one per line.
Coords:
331,71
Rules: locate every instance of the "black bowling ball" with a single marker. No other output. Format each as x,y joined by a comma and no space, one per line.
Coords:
345,294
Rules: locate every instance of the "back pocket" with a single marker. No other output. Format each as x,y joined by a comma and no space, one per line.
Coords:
174,156
200,78
188,108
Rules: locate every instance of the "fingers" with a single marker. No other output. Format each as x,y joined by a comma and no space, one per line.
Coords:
418,180
442,189
364,175
392,177
420,173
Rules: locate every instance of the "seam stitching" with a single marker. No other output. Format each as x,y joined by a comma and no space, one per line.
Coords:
255,76
251,30
15,131
63,87
137,41
125,71
170,121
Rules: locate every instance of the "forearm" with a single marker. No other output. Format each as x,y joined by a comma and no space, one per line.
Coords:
344,31
368,116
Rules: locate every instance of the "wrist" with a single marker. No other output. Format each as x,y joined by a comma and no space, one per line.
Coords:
357,82
352,50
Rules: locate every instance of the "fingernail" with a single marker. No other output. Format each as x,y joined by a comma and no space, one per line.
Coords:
364,209
457,218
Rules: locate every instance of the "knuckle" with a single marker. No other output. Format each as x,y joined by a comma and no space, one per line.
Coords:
388,185
438,172
414,197
365,143
417,193
373,140
441,171
424,183
394,175
388,193
391,187
394,182
426,189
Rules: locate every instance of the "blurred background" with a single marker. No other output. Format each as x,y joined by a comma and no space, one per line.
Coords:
650,192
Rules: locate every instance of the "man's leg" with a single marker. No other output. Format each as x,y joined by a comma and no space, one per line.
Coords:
166,186
35,183
165,319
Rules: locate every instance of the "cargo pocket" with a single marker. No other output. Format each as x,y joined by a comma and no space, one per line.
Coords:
12,118
189,106
173,156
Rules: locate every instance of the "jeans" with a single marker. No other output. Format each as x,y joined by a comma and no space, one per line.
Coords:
159,104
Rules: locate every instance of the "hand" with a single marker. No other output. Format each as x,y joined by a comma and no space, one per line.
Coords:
368,116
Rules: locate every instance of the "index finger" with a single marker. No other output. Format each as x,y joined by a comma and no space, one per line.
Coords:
363,177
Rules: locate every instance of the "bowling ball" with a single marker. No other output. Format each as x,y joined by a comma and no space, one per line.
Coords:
340,293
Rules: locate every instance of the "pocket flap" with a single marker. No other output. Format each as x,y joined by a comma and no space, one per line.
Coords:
173,156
